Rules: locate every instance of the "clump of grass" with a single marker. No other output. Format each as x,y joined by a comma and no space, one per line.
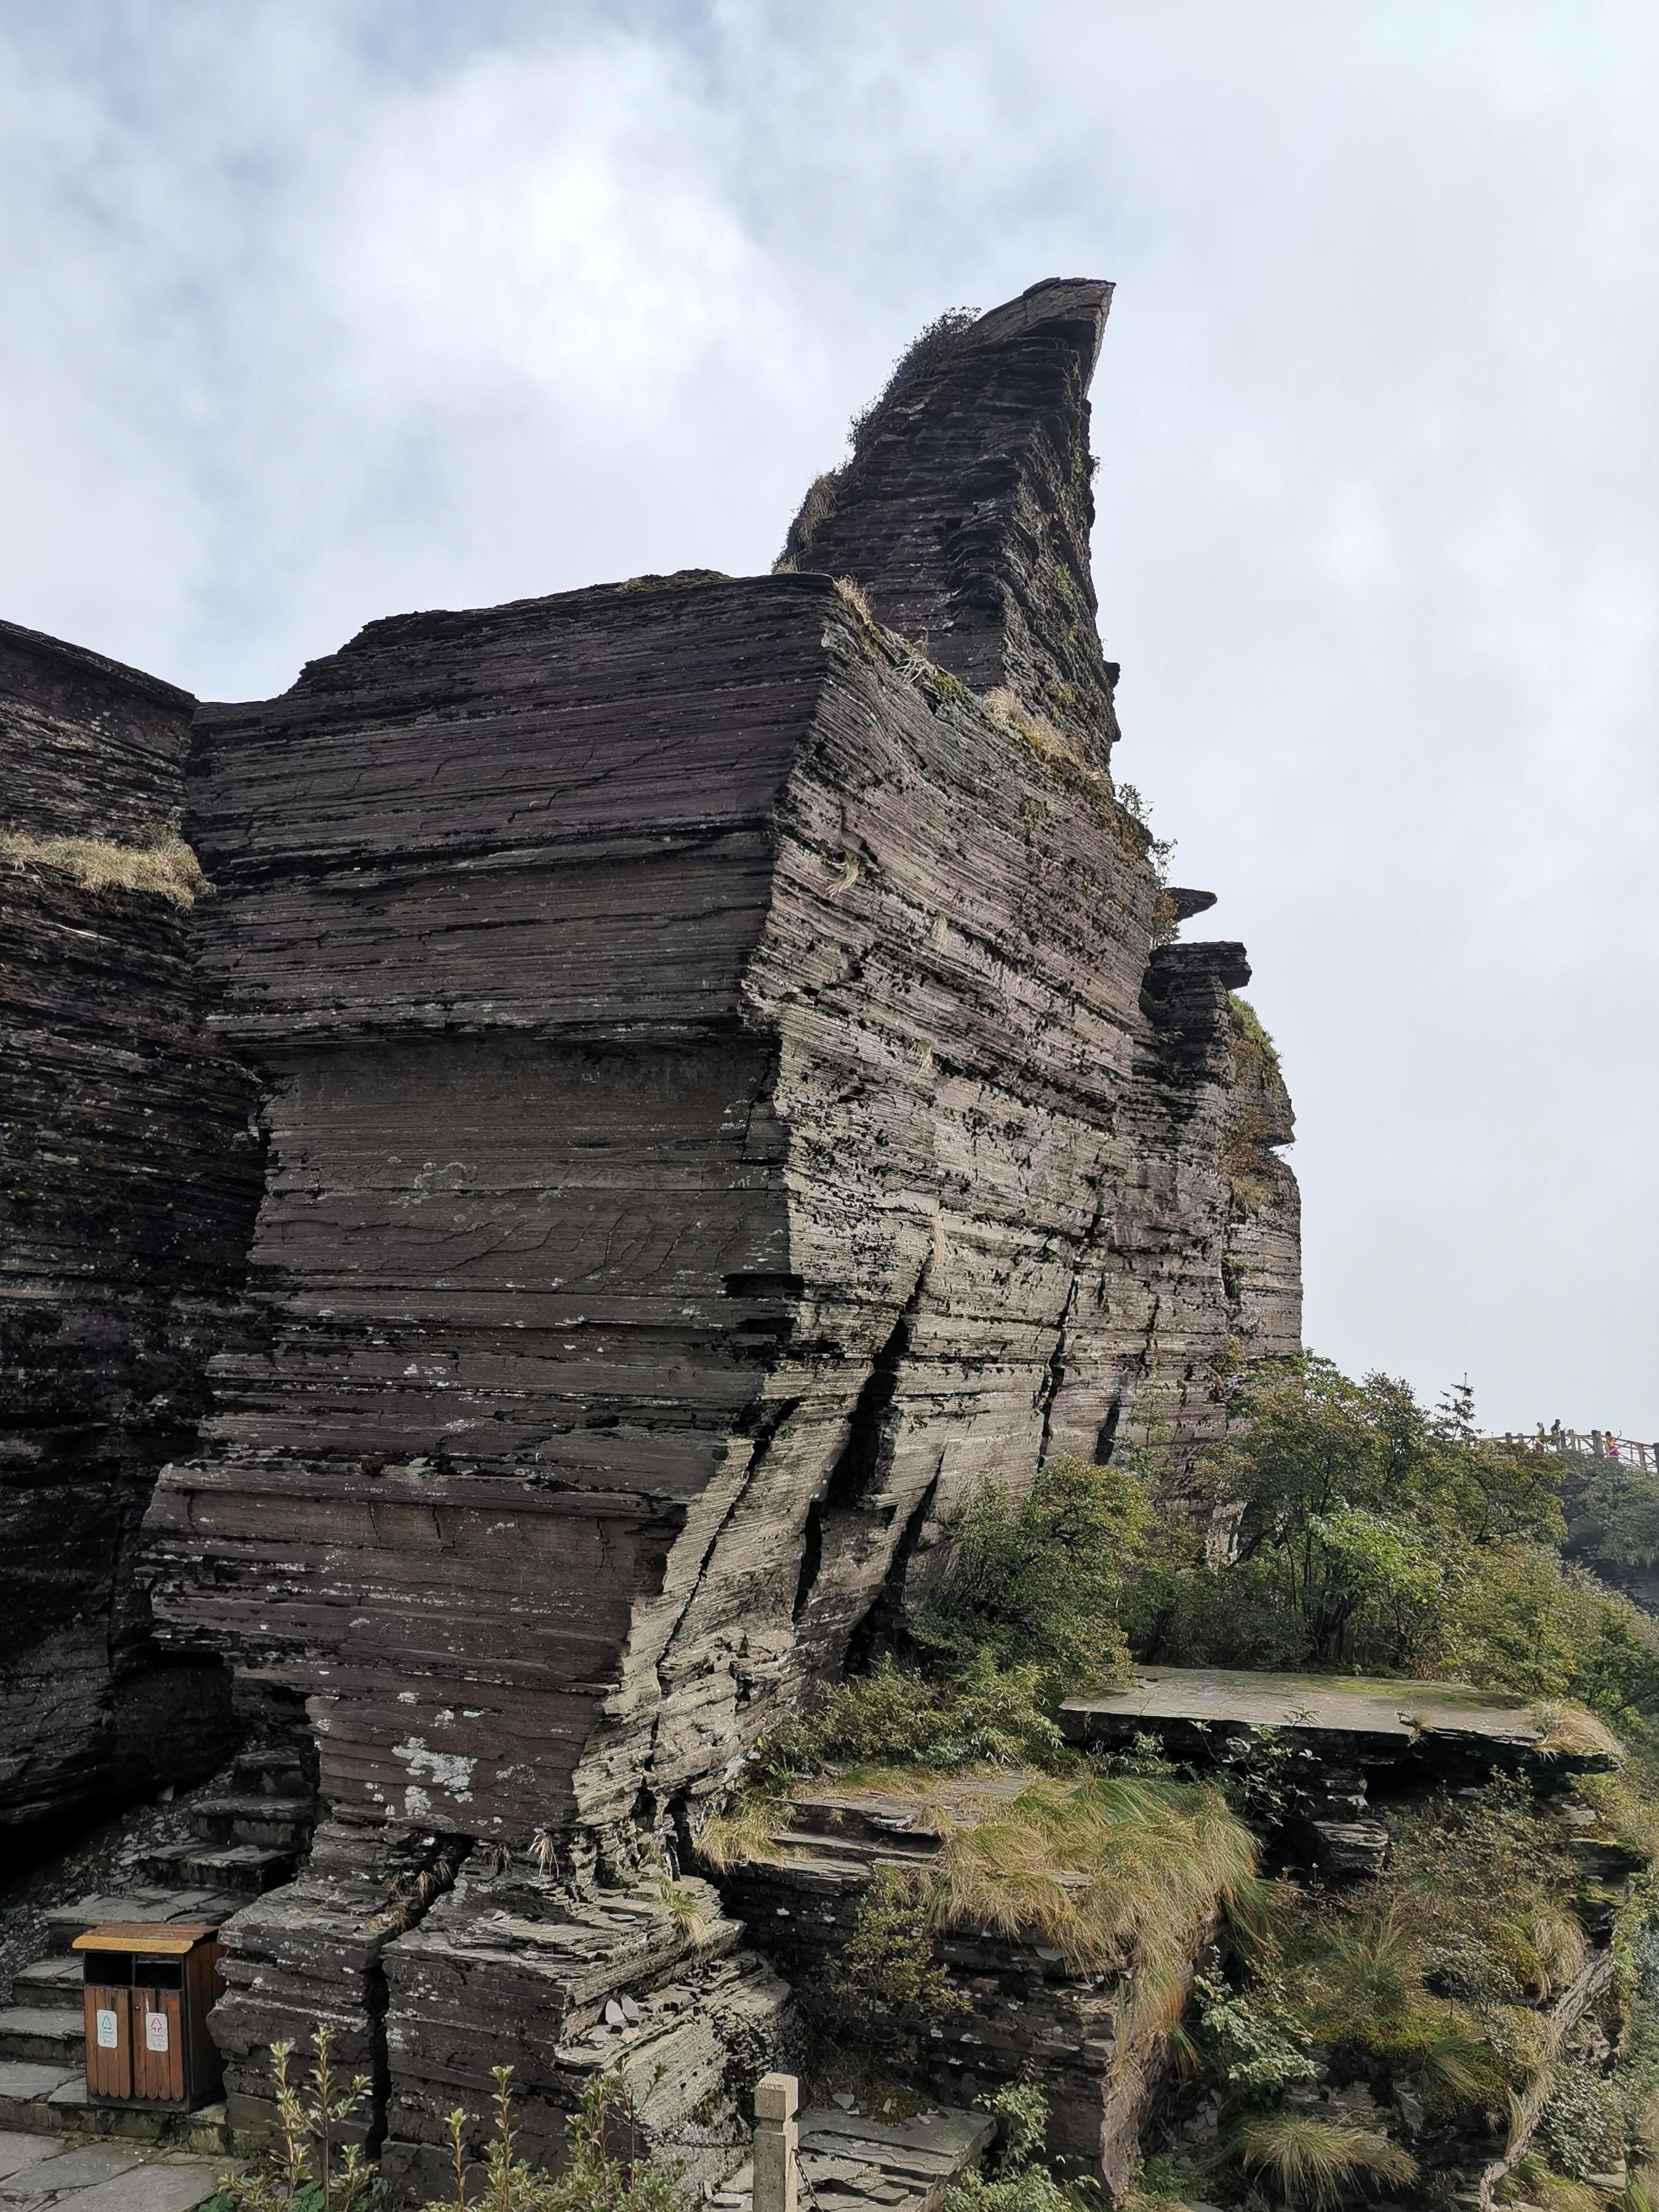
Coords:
853,592
1316,2161
1111,1872
1253,1049
1569,1727
1038,732
816,509
1532,2181
164,864
1627,1812
687,1905
745,1832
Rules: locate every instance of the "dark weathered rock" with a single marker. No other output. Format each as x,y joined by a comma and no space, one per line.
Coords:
1016,2010
650,1983
714,1122
728,1091
1331,1735
966,508
129,1176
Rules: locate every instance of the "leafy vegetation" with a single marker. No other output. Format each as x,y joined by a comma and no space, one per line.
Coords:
1251,1042
1342,1527
1042,1580
1018,2182
1372,1534
886,1972
307,2169
930,345
602,2174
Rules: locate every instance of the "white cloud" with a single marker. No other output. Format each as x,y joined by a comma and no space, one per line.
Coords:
317,310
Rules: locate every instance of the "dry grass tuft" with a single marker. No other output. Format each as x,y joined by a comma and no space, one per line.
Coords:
1569,1728
164,865
1111,1872
1038,732
745,1832
689,1907
1314,2162
854,593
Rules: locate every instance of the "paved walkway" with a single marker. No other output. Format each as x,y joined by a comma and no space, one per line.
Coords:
56,2173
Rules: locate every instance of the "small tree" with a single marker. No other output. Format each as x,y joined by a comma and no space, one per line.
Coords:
885,1972
1039,1580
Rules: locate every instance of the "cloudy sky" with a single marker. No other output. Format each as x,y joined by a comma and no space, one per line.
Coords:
315,310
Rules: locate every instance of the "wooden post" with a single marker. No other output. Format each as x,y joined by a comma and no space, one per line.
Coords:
777,2139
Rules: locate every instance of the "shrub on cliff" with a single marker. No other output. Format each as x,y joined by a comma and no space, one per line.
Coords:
1042,1580
978,1714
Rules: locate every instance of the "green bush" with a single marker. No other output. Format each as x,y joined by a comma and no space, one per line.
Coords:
894,1717
1040,1580
1018,2181
1374,1536
886,1972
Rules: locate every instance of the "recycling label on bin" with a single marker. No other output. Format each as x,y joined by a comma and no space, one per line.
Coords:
155,2031
108,2035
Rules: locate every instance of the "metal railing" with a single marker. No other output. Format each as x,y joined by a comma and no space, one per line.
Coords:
1594,1443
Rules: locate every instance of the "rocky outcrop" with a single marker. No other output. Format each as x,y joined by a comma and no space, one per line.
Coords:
1005,2006
129,1177
966,508
730,1087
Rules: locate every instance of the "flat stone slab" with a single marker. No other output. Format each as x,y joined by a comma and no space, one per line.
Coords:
71,2166
850,2164
1389,1714
21,2081
163,2185
18,2151
46,2173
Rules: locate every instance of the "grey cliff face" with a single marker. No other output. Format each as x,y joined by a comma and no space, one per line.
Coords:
724,1100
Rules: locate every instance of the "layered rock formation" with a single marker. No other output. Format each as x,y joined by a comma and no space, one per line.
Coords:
129,1177
729,1088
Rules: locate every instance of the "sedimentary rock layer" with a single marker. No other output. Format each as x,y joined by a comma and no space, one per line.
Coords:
714,1122
129,1177
730,1088
965,509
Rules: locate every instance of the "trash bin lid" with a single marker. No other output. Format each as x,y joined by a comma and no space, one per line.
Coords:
160,1939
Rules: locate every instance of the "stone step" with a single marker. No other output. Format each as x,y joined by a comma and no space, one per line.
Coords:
42,2038
280,1824
853,1851
885,1822
871,2165
271,1774
52,2100
244,1870
51,1985
153,1901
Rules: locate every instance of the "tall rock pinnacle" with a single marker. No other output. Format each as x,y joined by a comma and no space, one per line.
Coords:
965,509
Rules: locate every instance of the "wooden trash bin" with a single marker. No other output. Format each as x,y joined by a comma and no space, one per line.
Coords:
149,1985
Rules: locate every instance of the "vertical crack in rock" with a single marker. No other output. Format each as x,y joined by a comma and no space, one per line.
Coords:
1054,1375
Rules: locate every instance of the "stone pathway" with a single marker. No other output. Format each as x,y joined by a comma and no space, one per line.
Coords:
849,2164
51,2173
